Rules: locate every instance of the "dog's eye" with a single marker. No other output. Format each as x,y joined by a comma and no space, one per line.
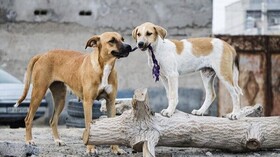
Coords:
149,33
112,41
138,34
122,39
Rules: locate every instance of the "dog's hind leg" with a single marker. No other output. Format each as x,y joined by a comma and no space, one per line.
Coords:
235,96
235,80
58,90
208,77
38,92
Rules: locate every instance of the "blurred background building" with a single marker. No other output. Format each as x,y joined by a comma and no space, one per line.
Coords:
252,17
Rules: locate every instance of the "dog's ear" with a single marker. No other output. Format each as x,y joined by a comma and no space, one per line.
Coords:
93,41
134,33
161,31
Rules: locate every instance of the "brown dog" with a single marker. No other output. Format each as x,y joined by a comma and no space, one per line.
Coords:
90,76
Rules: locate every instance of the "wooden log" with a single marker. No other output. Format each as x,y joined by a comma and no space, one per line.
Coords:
142,129
121,104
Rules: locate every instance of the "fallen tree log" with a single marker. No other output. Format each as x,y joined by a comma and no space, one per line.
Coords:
142,129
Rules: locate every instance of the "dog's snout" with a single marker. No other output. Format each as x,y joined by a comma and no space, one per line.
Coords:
124,51
127,48
141,44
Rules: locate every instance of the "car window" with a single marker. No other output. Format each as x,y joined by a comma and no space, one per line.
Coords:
7,78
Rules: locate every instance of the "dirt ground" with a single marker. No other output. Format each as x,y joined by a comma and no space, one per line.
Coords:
75,147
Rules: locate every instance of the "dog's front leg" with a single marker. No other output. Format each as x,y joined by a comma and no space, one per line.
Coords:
111,112
87,104
165,84
172,95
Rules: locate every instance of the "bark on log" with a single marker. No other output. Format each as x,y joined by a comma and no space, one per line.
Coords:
142,129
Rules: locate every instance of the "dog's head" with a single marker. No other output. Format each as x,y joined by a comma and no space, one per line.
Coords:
110,44
147,33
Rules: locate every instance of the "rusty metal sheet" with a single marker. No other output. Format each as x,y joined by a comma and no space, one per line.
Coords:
252,81
273,44
246,43
259,75
275,81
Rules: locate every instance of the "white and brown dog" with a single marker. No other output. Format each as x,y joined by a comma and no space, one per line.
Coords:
211,56
90,76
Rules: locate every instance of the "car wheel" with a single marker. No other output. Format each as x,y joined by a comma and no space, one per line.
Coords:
75,109
75,122
17,124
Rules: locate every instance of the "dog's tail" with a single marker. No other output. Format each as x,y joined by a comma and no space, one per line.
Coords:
235,67
28,78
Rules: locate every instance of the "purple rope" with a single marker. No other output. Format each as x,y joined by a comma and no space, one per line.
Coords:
134,49
156,67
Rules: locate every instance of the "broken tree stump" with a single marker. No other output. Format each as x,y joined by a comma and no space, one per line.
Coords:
142,129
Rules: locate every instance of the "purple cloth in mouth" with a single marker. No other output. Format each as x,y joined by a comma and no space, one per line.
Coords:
156,67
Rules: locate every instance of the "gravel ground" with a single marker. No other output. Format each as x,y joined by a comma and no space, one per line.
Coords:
75,147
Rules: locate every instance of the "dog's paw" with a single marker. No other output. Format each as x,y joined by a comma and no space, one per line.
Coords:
91,150
116,150
59,142
197,112
30,142
166,113
232,116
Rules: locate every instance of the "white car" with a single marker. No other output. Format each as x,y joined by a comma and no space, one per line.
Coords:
11,90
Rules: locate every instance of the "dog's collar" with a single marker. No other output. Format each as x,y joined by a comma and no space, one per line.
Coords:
156,67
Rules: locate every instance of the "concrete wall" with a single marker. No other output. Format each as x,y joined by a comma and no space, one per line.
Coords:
180,17
24,34
235,18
